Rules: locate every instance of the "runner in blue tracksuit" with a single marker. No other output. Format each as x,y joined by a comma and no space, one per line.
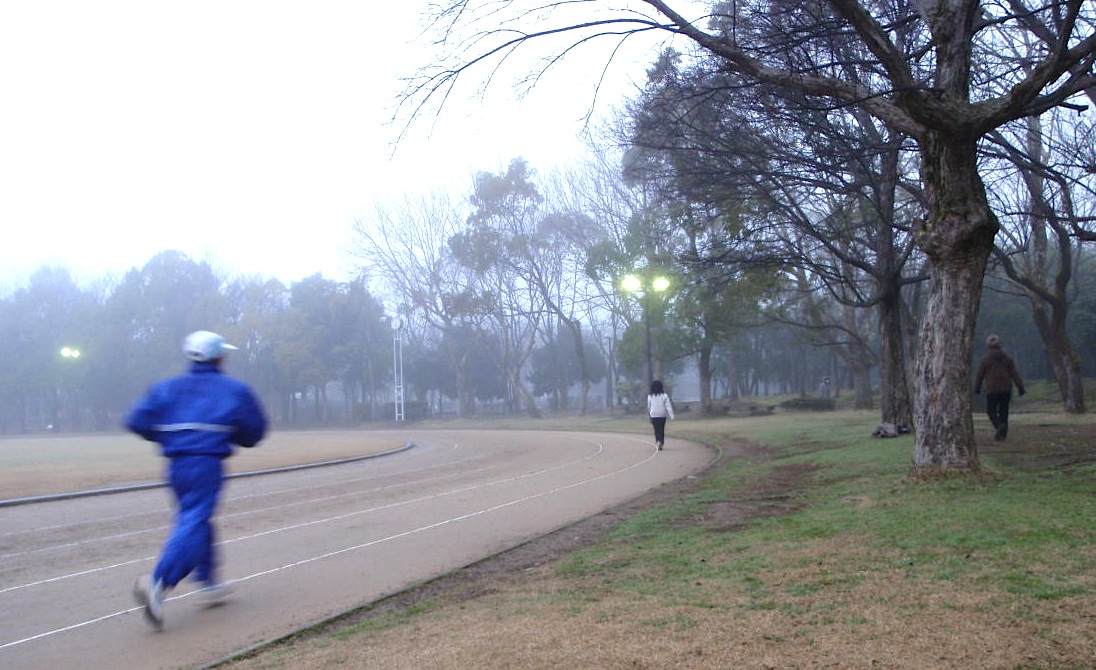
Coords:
196,418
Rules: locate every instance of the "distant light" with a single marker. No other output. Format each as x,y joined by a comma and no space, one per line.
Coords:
70,352
631,283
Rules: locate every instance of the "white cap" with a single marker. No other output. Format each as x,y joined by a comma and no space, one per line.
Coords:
203,345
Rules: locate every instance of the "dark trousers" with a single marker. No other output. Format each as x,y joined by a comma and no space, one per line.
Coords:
196,483
997,411
659,422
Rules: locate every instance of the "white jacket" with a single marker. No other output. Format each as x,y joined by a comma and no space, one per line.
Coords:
660,406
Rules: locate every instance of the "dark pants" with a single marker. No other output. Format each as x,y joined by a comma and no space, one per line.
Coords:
196,482
997,411
659,422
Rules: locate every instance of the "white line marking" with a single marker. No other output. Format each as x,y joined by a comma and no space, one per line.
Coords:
444,522
600,448
228,499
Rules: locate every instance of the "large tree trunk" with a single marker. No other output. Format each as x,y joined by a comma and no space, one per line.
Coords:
1074,389
861,383
858,359
957,240
733,387
704,375
704,372
1067,367
895,404
1066,363
575,327
466,399
524,399
1050,308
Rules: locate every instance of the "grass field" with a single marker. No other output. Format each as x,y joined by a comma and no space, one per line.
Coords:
815,551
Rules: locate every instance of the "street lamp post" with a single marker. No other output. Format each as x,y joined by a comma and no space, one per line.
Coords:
633,284
397,367
70,354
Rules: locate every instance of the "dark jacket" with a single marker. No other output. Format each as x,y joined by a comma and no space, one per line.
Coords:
203,412
998,371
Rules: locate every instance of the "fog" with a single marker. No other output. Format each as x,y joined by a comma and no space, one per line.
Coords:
247,135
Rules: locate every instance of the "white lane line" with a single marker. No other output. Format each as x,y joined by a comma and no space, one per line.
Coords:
72,575
433,496
227,501
444,522
66,629
233,498
371,543
276,530
234,515
597,451
160,528
312,475
80,543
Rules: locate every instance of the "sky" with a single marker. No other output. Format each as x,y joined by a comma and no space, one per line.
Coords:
247,133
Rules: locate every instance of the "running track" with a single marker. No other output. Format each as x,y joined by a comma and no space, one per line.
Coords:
302,546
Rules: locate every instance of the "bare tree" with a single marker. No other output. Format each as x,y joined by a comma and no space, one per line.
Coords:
825,190
406,247
493,246
916,74
597,190
1039,195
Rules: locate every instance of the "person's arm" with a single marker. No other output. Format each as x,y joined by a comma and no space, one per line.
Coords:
144,416
250,420
669,407
981,376
1015,374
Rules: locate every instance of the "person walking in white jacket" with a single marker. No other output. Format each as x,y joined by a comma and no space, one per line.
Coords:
659,408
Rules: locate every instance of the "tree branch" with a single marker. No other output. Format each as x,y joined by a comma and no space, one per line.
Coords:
828,87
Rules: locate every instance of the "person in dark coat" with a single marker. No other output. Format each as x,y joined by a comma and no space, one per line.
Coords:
997,371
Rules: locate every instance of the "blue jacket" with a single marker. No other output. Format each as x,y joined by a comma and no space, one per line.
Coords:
203,412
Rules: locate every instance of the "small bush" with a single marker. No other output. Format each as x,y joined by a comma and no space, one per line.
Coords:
810,404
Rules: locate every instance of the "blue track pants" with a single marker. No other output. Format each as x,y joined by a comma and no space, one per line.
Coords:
196,482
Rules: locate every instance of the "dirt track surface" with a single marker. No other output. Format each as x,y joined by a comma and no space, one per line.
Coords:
303,546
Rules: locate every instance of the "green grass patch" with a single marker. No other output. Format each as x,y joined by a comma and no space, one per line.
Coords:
1023,533
386,621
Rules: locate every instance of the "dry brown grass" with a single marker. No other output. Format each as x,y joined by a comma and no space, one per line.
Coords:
50,464
539,620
